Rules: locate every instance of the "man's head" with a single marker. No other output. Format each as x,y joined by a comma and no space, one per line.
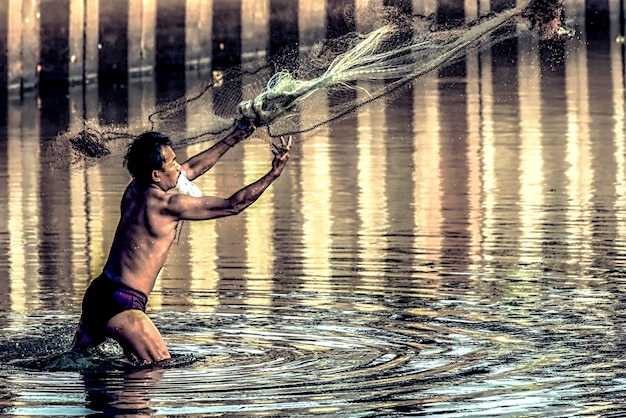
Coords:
145,155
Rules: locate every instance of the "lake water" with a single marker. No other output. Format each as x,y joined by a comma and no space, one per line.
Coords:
458,251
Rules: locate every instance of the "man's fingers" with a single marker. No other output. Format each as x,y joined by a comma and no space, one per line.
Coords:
283,147
286,142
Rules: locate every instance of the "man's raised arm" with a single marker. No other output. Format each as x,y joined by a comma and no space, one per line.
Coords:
210,207
203,161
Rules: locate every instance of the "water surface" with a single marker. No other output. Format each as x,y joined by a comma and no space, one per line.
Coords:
457,251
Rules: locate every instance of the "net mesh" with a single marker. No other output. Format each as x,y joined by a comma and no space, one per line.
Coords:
390,50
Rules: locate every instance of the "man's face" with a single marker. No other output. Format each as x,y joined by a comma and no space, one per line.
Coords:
168,175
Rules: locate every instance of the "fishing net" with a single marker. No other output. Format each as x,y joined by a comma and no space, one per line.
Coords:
390,50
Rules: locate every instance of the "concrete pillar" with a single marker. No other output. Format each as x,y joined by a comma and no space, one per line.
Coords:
19,45
336,22
255,28
10,44
450,13
62,23
148,35
76,41
126,37
135,65
226,49
30,44
4,44
472,9
405,6
199,27
484,7
498,6
597,17
311,22
424,7
92,23
113,35
574,10
170,35
283,27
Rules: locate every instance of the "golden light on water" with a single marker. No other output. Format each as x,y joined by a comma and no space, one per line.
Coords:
502,171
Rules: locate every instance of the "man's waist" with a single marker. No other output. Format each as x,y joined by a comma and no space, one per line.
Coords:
118,281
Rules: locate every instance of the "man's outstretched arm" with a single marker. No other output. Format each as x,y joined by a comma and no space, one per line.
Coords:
203,161
209,207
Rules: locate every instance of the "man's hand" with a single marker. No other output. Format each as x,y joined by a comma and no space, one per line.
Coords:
279,149
239,135
281,154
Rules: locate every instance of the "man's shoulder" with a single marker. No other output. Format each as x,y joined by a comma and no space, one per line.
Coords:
161,203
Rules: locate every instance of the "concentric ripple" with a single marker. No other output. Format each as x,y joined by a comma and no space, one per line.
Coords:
304,361
307,362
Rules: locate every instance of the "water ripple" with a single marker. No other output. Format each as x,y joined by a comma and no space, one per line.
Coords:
448,357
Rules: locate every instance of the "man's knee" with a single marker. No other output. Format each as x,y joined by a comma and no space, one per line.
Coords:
137,334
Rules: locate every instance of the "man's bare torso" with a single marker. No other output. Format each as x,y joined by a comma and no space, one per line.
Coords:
143,238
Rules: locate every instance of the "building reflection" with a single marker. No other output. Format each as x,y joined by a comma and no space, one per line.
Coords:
511,160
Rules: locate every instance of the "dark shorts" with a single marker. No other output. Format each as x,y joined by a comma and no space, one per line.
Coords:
106,298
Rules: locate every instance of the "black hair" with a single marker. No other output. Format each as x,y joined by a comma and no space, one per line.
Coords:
145,155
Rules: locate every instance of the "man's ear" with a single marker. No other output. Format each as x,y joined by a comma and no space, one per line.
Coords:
156,176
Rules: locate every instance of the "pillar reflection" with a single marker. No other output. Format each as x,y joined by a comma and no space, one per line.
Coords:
23,212
259,226
202,237
617,65
532,181
427,174
316,208
474,150
202,256
578,154
372,194
488,169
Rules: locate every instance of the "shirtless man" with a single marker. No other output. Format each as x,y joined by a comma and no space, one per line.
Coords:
115,302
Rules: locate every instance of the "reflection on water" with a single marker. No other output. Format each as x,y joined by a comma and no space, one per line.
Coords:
459,250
